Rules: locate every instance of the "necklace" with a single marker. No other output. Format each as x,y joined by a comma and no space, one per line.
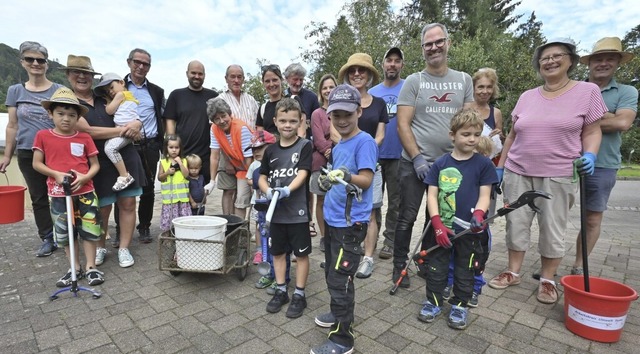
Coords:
544,87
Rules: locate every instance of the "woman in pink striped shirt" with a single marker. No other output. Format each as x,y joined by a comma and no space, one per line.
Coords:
553,125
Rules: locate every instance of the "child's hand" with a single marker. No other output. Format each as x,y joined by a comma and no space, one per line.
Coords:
178,160
79,181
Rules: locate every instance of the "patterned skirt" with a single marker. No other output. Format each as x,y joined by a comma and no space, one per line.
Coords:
172,211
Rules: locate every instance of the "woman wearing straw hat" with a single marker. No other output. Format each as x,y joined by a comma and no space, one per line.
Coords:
360,73
26,117
101,127
555,126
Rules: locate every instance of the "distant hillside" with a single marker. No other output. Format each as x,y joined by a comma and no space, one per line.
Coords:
11,72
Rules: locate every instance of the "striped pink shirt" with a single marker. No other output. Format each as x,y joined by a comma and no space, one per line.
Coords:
548,131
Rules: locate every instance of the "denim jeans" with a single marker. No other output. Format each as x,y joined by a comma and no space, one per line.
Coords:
37,184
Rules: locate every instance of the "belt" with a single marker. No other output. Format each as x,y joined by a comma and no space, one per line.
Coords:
146,141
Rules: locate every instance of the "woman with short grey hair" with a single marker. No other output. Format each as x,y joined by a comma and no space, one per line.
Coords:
26,117
215,106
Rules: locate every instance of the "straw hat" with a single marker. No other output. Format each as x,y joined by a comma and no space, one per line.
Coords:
359,59
79,62
608,45
66,96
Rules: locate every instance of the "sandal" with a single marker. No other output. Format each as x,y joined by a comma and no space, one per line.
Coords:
312,230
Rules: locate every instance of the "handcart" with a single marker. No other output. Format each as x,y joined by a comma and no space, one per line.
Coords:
213,256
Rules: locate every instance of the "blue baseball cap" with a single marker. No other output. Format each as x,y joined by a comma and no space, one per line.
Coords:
345,98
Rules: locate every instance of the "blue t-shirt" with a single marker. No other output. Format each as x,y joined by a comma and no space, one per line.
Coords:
391,147
357,153
459,184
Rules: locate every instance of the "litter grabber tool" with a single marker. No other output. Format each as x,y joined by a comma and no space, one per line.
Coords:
526,198
264,268
353,191
73,288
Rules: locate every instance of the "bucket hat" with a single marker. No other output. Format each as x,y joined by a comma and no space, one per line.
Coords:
359,59
79,62
66,96
567,42
608,45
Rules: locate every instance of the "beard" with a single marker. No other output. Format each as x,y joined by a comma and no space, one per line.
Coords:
391,76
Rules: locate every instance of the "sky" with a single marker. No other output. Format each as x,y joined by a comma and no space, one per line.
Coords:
220,33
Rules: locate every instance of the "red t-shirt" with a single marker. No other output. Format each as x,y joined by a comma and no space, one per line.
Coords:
64,153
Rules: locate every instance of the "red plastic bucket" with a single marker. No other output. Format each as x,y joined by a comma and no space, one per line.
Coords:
11,204
597,315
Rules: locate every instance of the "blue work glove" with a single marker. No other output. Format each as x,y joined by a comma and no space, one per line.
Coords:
341,173
586,164
421,166
284,192
500,173
476,221
269,193
324,183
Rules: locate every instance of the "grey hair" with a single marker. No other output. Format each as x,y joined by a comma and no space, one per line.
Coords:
295,69
217,105
433,25
567,45
226,73
138,50
30,46
369,83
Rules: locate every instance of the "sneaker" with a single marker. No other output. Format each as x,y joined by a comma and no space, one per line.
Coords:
257,259
66,279
264,282
125,259
100,254
386,252
322,244
94,277
365,268
331,347
458,317
297,306
280,298
405,283
271,290
547,293
122,183
503,280
474,300
47,247
536,275
577,271
325,320
429,312
145,235
446,293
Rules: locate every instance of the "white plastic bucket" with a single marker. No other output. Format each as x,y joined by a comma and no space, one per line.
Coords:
200,255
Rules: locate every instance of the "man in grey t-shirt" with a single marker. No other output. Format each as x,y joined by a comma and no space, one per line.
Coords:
427,102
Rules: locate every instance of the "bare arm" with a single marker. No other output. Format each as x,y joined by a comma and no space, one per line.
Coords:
497,117
214,161
112,106
39,165
591,137
363,179
131,130
299,181
380,133
620,121
432,201
10,143
484,198
171,125
405,117
505,148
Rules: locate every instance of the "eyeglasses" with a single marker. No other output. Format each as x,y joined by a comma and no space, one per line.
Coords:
270,67
137,62
435,44
30,60
80,72
356,69
554,57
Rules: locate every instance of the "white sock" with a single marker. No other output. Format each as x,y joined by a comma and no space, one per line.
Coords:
547,281
367,258
514,274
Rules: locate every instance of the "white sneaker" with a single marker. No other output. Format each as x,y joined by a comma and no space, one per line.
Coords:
100,254
125,259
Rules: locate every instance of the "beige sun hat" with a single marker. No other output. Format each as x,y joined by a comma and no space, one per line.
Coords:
66,96
79,62
608,45
359,59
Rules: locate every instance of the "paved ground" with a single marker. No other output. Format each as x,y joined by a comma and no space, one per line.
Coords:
144,310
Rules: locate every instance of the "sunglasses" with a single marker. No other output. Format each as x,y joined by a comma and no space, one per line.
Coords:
435,44
30,60
137,62
270,67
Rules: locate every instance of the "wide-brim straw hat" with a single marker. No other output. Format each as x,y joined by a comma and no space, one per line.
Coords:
608,45
79,62
362,60
66,96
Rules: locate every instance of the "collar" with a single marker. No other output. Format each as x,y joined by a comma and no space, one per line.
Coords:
131,81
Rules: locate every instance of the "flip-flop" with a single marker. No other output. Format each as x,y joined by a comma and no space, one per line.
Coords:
312,230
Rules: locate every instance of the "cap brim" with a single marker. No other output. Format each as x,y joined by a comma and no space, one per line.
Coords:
343,106
255,146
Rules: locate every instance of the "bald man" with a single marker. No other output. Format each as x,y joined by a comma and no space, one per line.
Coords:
186,115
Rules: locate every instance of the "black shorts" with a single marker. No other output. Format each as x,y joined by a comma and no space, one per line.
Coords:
285,238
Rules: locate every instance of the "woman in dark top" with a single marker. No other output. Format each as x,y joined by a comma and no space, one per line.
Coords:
272,81
100,126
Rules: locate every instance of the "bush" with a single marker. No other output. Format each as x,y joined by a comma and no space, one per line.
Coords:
631,141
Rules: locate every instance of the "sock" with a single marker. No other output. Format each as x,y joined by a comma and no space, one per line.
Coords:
514,274
282,287
367,257
548,281
299,291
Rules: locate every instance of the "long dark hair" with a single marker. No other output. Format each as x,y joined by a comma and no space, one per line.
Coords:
165,145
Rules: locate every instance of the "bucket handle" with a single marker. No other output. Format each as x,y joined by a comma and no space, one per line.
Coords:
7,178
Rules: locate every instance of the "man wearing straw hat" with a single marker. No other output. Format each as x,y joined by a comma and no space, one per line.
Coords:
622,103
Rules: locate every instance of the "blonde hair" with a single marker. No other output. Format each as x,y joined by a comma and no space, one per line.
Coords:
485,146
466,117
193,160
490,74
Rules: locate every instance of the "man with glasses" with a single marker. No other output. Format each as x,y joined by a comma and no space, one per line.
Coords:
427,102
390,149
151,98
186,115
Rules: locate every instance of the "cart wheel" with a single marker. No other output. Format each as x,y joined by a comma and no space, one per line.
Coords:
175,273
242,263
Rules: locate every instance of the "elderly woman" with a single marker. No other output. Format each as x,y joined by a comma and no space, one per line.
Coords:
553,125
360,73
232,138
99,124
26,117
